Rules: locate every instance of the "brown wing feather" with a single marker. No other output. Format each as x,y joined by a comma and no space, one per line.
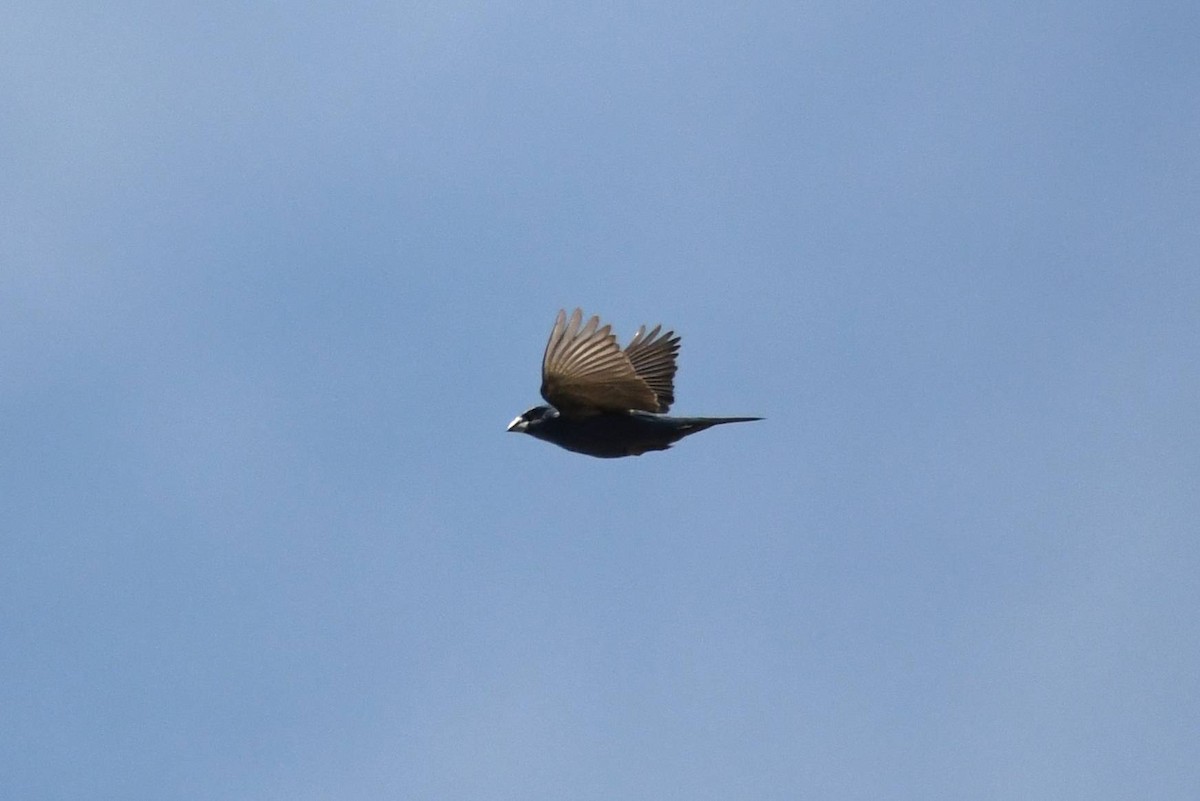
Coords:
653,358
585,372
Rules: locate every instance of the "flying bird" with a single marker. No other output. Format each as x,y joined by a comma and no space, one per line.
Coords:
608,402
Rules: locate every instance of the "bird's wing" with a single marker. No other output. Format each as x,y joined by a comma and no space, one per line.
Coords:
653,358
585,372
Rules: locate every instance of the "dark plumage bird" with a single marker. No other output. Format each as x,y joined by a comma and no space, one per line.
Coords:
605,401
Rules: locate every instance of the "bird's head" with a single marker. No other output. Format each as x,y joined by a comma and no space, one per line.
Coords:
532,418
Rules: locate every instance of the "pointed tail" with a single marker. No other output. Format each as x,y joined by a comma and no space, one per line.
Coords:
693,424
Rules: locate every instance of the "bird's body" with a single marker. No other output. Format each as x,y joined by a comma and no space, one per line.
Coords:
609,435
607,402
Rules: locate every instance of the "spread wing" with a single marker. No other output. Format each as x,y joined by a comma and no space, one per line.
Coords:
653,358
584,372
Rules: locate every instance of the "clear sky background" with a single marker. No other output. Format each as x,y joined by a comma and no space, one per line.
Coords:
275,276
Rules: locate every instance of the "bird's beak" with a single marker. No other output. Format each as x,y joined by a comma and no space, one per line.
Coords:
518,425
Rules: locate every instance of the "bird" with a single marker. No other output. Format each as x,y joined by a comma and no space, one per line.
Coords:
608,402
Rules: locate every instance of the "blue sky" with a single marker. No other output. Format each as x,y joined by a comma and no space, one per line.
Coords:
274,278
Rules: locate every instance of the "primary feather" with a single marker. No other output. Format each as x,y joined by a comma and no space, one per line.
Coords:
585,372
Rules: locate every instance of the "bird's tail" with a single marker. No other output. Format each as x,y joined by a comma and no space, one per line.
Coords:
692,424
